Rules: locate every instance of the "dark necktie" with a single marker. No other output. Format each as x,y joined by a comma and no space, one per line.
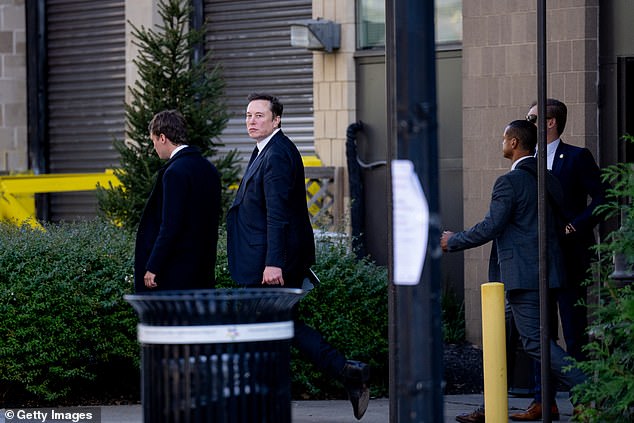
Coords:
253,156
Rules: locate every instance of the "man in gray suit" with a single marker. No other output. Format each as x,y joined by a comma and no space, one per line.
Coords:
512,223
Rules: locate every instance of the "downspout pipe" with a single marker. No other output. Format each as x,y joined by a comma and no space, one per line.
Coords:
197,20
37,96
355,184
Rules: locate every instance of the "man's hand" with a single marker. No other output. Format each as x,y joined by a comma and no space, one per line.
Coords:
444,238
272,276
149,279
570,229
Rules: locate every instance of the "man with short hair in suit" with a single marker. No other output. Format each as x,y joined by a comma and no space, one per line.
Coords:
178,233
512,222
270,239
580,179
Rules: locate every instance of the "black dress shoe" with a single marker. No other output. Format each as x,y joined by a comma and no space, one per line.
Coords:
476,416
355,376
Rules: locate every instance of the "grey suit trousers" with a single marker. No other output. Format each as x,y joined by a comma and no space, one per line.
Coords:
524,304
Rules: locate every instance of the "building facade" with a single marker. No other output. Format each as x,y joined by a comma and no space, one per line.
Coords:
65,67
586,56
13,90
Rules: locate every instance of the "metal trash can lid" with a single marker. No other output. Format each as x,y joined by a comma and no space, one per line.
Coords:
214,306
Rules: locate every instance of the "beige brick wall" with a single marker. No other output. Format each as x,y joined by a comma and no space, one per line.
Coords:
500,81
140,13
334,84
13,137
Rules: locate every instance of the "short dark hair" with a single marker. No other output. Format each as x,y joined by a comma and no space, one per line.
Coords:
277,108
555,109
170,123
525,132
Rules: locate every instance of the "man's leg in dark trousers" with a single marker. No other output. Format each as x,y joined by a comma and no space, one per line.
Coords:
314,347
525,307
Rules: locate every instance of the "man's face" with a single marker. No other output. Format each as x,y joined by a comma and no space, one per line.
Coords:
260,120
159,145
531,116
507,147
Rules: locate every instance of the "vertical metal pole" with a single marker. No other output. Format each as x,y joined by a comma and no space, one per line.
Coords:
197,20
37,97
542,204
415,321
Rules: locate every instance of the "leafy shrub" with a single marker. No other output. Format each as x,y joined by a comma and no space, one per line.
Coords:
66,327
453,320
609,391
64,321
349,308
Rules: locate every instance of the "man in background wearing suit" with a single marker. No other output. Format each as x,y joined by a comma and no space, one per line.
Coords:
178,234
270,239
580,178
512,223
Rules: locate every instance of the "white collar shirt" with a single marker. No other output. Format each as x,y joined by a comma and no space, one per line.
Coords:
550,153
265,141
516,162
177,149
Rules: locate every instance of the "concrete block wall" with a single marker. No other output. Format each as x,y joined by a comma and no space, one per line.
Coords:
140,13
334,84
13,120
499,83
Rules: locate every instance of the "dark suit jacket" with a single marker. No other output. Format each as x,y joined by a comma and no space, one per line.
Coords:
512,223
580,177
268,222
178,233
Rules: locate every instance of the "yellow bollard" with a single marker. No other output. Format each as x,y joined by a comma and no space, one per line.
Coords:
494,353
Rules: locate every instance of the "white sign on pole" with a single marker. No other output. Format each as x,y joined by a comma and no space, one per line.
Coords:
410,219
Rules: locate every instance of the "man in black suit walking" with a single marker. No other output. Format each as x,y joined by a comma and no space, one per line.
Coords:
580,178
270,239
178,234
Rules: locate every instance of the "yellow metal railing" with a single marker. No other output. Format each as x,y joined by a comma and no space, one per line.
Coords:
17,192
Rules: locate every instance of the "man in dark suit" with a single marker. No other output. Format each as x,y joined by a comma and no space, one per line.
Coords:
512,223
580,179
178,234
270,239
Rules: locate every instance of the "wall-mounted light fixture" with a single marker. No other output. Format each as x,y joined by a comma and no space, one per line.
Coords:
316,34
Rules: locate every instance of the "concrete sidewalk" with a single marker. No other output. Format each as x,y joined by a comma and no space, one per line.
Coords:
341,411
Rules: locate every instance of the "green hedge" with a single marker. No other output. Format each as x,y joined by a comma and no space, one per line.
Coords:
349,308
64,322
66,332
608,394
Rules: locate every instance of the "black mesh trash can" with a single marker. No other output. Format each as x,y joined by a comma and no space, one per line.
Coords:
216,355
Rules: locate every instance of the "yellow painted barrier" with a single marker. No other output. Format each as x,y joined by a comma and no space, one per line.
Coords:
494,353
311,161
17,201
17,192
